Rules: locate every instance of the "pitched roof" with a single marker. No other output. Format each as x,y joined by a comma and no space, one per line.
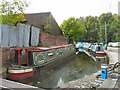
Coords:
39,20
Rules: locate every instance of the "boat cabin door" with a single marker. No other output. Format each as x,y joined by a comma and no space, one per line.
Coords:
21,57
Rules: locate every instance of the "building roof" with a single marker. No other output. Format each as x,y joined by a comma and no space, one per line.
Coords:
41,20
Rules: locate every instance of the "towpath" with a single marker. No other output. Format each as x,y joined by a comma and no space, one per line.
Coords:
11,85
113,54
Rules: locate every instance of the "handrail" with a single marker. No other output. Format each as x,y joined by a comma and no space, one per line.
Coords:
40,49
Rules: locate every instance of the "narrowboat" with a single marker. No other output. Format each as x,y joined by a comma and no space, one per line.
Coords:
97,51
27,59
79,47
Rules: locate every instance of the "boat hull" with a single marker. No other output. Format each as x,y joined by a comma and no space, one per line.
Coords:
95,53
18,74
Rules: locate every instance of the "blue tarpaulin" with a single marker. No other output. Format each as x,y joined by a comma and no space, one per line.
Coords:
80,44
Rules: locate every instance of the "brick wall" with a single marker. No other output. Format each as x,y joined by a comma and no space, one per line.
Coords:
6,57
51,40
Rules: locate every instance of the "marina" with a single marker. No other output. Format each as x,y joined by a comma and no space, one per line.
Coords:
75,67
73,50
72,74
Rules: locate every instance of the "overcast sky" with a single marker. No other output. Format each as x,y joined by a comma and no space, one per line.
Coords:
63,9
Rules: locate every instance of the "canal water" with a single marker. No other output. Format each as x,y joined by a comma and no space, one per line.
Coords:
75,67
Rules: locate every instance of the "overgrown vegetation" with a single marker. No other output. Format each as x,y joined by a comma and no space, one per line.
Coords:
47,26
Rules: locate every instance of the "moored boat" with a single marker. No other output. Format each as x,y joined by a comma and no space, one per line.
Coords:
97,51
27,59
79,47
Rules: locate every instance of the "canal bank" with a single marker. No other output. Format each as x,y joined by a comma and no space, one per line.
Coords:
77,67
94,80
113,54
91,81
11,85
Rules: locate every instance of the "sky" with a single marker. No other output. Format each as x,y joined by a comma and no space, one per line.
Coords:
64,9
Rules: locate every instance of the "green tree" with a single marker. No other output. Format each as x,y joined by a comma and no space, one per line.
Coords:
111,26
92,27
12,11
118,30
73,28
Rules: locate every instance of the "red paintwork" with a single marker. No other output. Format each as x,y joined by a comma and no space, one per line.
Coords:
100,52
35,50
18,48
40,49
57,47
19,76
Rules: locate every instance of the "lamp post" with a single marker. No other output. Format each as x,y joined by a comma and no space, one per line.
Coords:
105,35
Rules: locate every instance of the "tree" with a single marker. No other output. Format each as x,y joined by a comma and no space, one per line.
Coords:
73,28
118,30
12,11
111,25
92,27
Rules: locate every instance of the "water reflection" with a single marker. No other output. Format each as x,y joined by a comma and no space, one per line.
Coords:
78,66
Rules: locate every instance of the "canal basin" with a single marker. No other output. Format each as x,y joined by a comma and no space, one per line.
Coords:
75,67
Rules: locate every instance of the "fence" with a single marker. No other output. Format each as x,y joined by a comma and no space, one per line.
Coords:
18,36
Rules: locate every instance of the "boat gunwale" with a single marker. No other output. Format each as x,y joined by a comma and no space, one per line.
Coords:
20,70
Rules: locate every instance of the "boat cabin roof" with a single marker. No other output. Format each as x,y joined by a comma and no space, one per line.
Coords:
97,48
38,49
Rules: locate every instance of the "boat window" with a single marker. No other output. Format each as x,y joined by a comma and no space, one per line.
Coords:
93,48
99,48
50,55
102,49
